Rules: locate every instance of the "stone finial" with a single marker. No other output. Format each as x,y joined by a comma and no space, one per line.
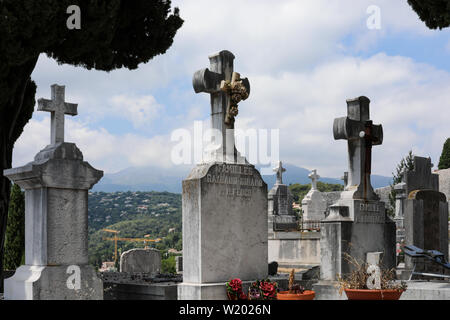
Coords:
58,108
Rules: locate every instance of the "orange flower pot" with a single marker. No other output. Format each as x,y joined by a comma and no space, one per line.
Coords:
355,294
285,295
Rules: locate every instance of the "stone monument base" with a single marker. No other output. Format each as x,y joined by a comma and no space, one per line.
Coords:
328,290
206,291
51,283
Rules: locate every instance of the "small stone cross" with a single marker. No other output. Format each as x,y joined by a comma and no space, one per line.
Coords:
279,170
361,135
58,108
314,177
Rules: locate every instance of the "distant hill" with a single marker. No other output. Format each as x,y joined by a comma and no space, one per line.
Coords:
160,179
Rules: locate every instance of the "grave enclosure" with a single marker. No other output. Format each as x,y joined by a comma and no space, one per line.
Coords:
232,225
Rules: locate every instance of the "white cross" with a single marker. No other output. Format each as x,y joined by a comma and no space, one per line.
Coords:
58,108
314,177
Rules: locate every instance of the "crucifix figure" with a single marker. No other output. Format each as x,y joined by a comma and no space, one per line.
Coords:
58,108
361,134
314,177
279,171
227,89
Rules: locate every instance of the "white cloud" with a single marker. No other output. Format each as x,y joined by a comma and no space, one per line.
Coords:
140,111
301,71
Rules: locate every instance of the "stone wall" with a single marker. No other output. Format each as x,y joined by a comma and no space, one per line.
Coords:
291,249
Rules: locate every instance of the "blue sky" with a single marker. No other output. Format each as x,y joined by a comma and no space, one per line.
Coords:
303,60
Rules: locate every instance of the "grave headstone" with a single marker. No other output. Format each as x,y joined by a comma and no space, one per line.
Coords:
420,178
280,199
141,261
426,225
224,201
56,187
357,223
314,204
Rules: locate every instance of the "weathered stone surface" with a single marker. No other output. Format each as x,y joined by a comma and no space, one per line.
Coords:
224,227
357,223
426,223
444,182
56,187
141,261
295,248
314,204
280,199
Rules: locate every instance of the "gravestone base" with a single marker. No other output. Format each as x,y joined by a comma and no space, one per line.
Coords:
224,229
51,283
207,291
354,228
328,290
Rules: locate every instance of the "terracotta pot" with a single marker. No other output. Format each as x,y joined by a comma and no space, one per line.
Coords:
285,295
355,294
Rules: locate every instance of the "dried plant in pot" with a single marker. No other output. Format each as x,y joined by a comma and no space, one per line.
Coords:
369,282
295,292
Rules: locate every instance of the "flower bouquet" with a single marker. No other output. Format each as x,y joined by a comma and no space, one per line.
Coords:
234,290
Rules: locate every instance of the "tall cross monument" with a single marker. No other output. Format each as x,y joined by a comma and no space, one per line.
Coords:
361,134
227,89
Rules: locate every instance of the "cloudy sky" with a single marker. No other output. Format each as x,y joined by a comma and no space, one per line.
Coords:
303,60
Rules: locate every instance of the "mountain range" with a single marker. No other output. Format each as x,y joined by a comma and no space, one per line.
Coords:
160,179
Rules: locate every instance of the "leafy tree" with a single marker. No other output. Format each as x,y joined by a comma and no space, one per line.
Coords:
435,13
444,161
299,191
15,231
114,34
406,164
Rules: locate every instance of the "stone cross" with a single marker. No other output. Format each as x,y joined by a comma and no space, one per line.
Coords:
345,179
226,89
314,177
279,170
58,108
361,135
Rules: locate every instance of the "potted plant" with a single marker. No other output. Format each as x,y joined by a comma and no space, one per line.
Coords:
234,290
263,290
358,285
295,292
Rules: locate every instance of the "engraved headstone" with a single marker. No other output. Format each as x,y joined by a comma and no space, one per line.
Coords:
357,223
141,261
426,225
224,201
56,187
280,199
314,205
420,178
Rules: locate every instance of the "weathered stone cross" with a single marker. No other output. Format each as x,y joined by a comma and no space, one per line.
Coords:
58,108
279,170
226,90
361,134
314,177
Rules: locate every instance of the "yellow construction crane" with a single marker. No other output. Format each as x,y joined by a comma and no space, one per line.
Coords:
116,238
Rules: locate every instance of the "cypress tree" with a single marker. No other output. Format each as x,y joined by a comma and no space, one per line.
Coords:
15,230
444,161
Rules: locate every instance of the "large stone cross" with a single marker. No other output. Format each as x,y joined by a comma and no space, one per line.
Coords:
58,108
279,171
361,134
314,177
227,89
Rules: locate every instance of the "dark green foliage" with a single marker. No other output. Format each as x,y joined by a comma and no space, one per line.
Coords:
435,13
406,164
444,161
124,211
15,231
299,191
168,265
114,34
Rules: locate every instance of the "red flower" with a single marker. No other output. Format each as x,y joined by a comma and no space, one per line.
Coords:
236,285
